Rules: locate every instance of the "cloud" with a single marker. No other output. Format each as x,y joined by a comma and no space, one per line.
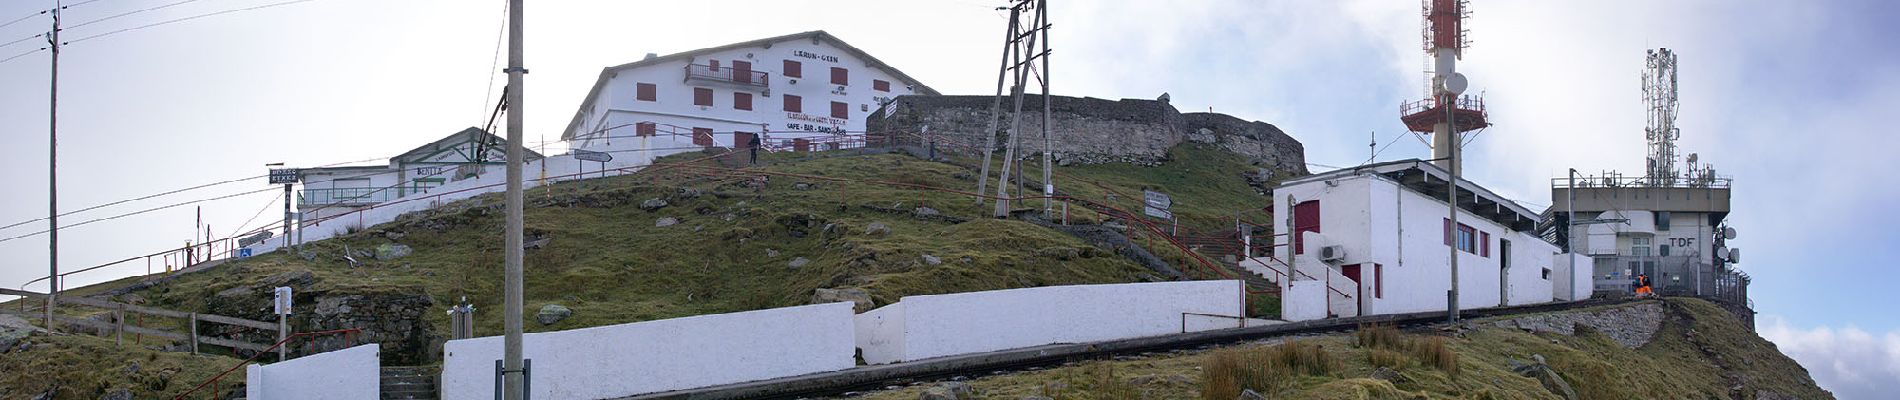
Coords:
1851,362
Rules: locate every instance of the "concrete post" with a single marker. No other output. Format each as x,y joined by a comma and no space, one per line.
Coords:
511,342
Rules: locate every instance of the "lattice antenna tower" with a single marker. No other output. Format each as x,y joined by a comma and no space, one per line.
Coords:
1659,95
1444,113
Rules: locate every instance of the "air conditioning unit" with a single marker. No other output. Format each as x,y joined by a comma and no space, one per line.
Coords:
1332,253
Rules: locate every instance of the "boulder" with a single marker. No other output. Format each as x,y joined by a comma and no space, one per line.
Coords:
391,251
117,394
13,330
925,212
860,299
1540,371
552,313
877,228
770,253
802,186
932,260
1249,394
689,193
301,277
666,222
652,204
937,393
536,242
799,263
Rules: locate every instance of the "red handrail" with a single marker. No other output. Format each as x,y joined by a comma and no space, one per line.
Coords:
348,341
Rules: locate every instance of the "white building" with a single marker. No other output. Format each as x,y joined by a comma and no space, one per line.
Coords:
1375,240
799,91
466,154
1673,230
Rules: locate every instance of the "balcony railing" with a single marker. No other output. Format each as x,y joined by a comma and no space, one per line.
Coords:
728,75
345,196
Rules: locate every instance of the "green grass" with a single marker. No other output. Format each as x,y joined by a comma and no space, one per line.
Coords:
85,367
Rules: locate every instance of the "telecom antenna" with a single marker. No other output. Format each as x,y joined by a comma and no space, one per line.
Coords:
1022,47
1444,113
1659,94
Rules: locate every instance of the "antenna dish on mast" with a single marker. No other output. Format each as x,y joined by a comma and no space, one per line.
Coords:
1456,84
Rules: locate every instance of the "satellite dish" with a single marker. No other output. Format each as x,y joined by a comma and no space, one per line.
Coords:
1735,255
1456,83
1728,233
1721,253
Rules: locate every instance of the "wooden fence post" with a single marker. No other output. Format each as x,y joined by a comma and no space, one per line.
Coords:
118,331
194,333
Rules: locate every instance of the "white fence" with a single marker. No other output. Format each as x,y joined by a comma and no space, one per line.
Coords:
920,327
353,373
664,355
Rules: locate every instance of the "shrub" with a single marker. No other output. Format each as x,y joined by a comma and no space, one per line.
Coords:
1386,358
1378,336
1227,372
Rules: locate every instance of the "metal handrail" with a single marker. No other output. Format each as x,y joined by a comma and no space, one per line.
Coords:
1594,181
728,74
1467,102
322,196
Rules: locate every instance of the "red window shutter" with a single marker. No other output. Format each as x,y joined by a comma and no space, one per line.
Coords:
840,76
1305,219
1447,231
792,69
880,85
1484,247
741,101
840,110
703,136
712,64
742,71
794,103
645,129
702,97
647,92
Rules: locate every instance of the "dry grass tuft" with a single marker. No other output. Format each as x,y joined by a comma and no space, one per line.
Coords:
1386,358
1380,336
1263,369
1434,352
1389,346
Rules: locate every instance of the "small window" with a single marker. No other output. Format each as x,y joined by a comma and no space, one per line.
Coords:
742,101
840,76
840,110
703,136
702,97
880,85
1547,274
793,103
1662,221
1662,250
646,129
1467,239
792,69
1639,246
647,92
1484,244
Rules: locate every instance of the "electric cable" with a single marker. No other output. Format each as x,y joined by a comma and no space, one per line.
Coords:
137,213
177,20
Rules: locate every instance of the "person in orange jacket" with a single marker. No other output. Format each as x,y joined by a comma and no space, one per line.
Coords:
1642,286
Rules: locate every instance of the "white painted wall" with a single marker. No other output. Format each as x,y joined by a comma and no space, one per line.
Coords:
1570,277
1303,301
964,323
655,356
352,373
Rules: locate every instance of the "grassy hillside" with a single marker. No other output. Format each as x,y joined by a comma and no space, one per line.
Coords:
1674,365
86,367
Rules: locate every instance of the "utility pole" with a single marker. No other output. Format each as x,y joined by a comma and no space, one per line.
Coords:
1048,173
1025,51
512,371
52,176
996,106
1451,199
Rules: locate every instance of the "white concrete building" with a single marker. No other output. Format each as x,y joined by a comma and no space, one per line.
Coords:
339,190
1374,240
1673,230
800,91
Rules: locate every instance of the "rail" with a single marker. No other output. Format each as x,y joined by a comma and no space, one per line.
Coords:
1473,103
343,196
745,77
349,340
1617,181
117,325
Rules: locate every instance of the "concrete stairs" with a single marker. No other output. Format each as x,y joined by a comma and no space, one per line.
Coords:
1254,280
410,383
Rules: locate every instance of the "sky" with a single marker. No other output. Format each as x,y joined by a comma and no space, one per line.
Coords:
1789,98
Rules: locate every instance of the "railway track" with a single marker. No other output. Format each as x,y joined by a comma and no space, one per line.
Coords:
878,377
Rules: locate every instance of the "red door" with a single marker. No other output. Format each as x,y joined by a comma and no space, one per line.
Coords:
801,145
742,71
1305,219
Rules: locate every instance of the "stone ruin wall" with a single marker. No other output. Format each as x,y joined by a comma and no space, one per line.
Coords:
1086,130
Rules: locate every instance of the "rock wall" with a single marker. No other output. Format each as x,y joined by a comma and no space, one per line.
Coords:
395,318
1631,326
1084,130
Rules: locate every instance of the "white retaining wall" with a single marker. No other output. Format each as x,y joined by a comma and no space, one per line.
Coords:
656,356
352,373
920,327
1571,277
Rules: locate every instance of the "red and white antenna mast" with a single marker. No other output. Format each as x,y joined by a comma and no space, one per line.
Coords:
1444,113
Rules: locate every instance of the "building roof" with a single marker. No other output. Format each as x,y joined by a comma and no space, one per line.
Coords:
1424,177
820,35
471,134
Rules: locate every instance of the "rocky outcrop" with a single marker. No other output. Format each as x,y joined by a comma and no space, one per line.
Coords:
1631,326
393,320
1085,130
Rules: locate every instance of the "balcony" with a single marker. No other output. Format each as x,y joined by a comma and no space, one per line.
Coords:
345,196
1467,111
741,78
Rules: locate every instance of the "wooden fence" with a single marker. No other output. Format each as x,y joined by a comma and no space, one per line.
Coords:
117,327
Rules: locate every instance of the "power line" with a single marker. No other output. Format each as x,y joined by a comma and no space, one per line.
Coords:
495,60
170,192
4,60
138,212
177,20
22,40
260,212
27,17
128,13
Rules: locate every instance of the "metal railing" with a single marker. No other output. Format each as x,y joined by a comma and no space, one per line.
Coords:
1595,181
1472,103
728,75
362,195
